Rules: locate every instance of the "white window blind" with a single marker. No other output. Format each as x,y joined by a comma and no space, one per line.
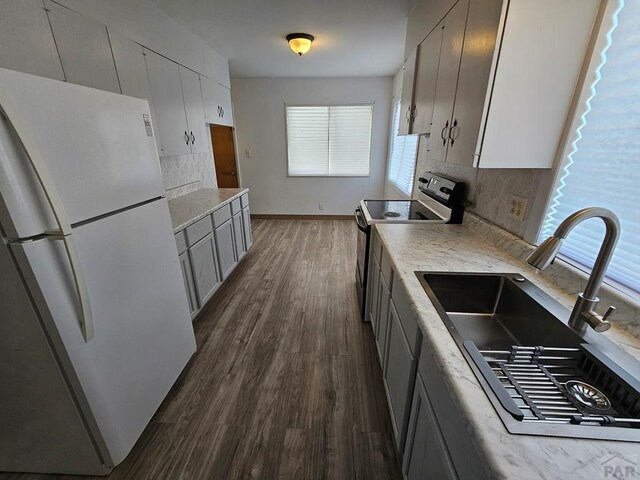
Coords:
402,161
329,140
603,168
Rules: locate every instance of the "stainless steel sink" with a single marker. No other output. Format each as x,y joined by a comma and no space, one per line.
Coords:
542,376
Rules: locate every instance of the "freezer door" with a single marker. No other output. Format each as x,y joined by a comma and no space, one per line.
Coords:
143,333
100,153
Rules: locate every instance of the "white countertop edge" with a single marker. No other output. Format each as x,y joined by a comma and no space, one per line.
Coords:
203,214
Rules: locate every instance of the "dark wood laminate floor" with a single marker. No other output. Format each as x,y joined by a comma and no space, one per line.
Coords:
285,383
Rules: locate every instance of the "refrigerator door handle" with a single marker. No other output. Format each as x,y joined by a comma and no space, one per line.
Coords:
64,231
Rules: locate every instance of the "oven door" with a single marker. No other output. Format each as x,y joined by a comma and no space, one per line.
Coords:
362,266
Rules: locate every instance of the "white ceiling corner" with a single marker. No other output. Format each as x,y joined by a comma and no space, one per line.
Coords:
353,37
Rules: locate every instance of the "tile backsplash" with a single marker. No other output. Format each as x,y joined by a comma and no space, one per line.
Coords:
183,174
489,190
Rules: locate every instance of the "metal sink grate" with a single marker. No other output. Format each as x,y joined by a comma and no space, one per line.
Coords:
531,383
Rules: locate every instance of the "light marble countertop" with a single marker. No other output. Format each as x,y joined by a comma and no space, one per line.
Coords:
193,206
455,248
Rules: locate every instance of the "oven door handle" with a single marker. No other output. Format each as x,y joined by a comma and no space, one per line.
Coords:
357,213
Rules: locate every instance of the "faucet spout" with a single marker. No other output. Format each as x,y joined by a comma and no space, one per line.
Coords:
583,313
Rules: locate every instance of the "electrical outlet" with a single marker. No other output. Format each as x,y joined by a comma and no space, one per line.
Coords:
321,206
247,153
517,207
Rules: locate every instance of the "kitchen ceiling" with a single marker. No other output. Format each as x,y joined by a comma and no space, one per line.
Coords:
352,37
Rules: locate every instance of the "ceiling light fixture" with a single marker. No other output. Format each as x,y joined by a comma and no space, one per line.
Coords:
300,43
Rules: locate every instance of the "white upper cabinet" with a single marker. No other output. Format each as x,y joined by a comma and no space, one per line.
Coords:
26,42
216,67
172,136
406,102
129,60
84,49
194,112
177,101
217,102
424,17
505,80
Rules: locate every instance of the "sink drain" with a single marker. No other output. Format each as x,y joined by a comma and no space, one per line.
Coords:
391,214
587,395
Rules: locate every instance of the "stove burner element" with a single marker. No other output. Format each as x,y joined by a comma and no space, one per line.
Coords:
587,395
391,214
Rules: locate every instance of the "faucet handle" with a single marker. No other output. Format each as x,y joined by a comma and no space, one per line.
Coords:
598,322
610,311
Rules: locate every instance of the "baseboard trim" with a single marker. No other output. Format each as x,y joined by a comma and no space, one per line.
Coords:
263,216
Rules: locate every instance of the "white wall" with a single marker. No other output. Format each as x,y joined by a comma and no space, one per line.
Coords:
260,127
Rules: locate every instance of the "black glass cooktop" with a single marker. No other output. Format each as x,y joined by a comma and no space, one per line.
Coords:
399,210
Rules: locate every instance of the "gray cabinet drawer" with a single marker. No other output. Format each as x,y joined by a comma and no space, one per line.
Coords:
387,271
235,206
399,377
407,316
199,230
181,242
221,215
244,200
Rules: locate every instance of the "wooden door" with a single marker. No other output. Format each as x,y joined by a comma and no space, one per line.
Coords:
224,156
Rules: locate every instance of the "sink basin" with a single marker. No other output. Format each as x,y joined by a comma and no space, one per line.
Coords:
498,311
542,377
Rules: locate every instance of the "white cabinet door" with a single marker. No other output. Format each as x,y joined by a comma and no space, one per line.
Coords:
217,102
424,92
26,42
189,285
226,248
425,454
408,78
199,140
238,235
246,223
204,264
166,96
84,49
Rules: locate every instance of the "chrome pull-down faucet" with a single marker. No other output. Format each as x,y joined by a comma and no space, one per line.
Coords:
583,312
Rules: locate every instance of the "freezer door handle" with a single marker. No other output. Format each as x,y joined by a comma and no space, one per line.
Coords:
64,231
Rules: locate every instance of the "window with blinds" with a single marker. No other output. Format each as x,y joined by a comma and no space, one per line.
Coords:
603,168
329,141
402,159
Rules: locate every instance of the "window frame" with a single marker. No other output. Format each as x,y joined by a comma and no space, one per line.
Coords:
324,175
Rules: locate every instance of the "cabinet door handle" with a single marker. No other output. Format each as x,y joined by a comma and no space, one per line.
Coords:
186,137
408,114
454,131
193,138
442,135
414,113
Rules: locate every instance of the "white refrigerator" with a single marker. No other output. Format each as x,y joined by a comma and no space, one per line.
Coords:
94,320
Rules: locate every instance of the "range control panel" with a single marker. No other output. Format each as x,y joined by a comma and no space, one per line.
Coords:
447,191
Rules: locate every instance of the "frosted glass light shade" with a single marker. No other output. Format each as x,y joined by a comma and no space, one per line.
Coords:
300,43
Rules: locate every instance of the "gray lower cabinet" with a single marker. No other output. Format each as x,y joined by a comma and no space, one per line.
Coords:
187,276
246,222
399,376
425,454
383,319
226,248
238,235
373,294
204,263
